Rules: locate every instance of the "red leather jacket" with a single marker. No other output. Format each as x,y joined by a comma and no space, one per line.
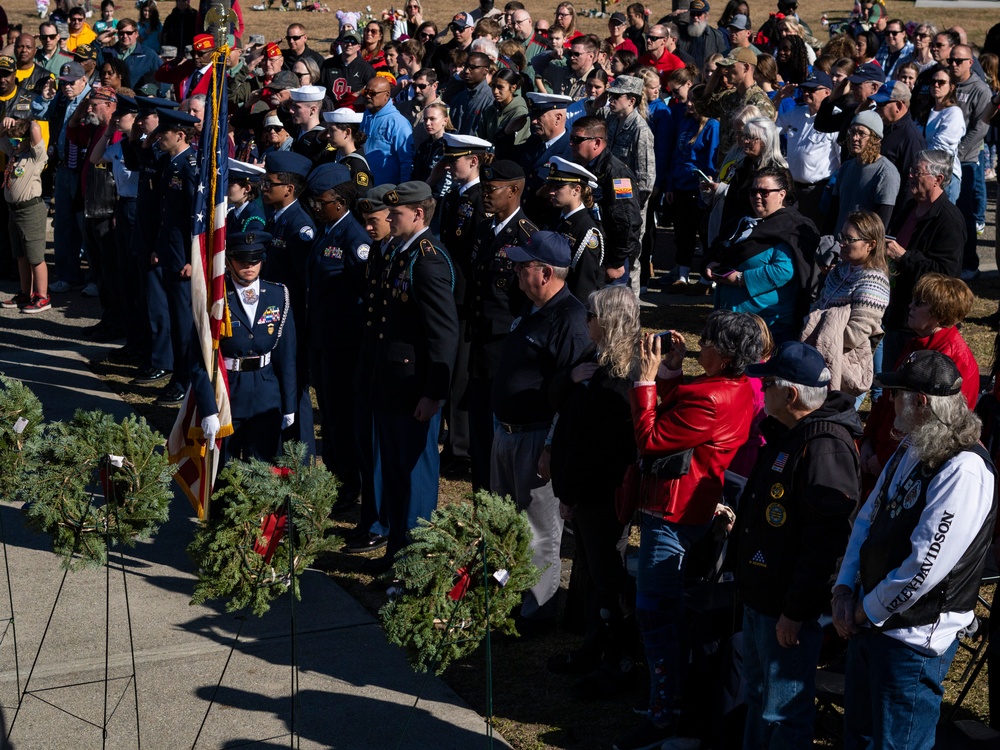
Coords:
711,415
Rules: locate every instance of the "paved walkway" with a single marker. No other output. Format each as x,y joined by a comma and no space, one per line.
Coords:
355,692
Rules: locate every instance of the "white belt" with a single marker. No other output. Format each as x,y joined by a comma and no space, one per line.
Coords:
247,364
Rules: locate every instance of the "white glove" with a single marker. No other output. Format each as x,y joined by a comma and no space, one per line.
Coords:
210,425
287,421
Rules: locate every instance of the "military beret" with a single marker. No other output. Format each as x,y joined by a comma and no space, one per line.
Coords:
328,176
374,199
503,170
248,247
288,161
171,118
407,193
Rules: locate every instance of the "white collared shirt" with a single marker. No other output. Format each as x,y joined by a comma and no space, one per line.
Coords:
497,228
249,307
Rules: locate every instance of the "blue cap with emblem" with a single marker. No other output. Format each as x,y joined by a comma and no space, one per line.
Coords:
288,161
795,362
870,71
374,199
248,247
550,248
149,104
327,177
171,119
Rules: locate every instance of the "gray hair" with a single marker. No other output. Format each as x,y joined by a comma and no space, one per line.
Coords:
939,164
949,428
929,28
560,272
736,337
486,46
617,311
809,397
770,153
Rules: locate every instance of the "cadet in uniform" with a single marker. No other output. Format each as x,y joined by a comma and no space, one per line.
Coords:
493,298
245,212
570,190
292,234
343,132
335,276
170,279
259,357
410,346
461,210
307,103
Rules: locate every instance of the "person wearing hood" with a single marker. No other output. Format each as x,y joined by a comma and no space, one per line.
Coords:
793,524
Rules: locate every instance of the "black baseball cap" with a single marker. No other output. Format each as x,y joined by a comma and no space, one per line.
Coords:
927,371
795,362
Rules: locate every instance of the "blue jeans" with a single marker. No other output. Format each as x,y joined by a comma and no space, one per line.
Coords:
968,203
953,189
659,602
780,684
892,694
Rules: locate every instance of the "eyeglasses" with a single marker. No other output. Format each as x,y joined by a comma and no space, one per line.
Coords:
861,133
959,60
372,94
764,192
294,38
273,128
576,53
541,32
317,203
528,264
918,173
747,138
921,35
891,32
420,86
576,140
845,240
523,20
373,30
76,19
940,82
563,14
268,184
427,35
349,42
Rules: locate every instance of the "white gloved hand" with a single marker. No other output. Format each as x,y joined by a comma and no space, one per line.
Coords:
210,425
287,421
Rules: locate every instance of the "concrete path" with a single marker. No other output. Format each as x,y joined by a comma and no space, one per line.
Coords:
355,690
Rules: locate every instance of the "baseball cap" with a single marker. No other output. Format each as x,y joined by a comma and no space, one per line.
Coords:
618,19
868,72
743,55
927,371
818,80
892,91
795,362
462,21
71,71
550,248
740,21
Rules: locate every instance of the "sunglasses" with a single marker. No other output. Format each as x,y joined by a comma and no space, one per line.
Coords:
272,129
576,140
127,32
295,38
958,60
349,42
653,38
764,192
921,36
48,36
420,86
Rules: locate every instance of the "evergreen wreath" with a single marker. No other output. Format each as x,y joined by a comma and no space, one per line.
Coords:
441,613
20,428
94,481
244,554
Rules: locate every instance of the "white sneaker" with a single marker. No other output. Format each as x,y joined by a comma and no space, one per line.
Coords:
59,287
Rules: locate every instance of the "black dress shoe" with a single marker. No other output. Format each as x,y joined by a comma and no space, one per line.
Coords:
366,543
380,565
151,375
173,395
124,356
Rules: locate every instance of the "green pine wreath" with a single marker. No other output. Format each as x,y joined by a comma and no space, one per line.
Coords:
238,554
441,613
95,480
20,428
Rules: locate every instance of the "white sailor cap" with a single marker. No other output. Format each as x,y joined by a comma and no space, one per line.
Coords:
562,170
343,116
308,94
545,102
465,145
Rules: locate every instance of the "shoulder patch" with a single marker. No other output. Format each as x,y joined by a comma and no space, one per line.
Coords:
427,248
362,179
306,233
592,241
623,188
363,251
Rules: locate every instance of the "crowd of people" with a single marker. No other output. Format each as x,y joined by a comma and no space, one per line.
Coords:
443,231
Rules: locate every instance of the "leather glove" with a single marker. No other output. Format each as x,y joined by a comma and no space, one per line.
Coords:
287,421
210,426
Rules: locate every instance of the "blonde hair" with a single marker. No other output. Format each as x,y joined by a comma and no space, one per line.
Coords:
443,108
871,229
617,311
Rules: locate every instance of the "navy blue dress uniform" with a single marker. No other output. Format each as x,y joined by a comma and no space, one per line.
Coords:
535,155
616,208
292,235
337,288
249,216
493,299
586,240
259,357
408,354
172,248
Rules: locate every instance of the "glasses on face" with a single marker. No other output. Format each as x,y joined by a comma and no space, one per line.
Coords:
563,14
764,192
576,140
843,239
349,43
427,35
523,20
293,38
938,44
541,32
372,30
489,188
958,60
576,53
48,36
268,184
127,32
76,19
413,7
747,138
859,133
272,129
940,82
372,94
921,35
318,204
892,32
420,86
529,264
653,38
613,95
919,173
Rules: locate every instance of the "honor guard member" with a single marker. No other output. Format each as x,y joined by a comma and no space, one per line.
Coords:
570,189
259,357
292,234
337,287
548,336
549,137
370,533
307,105
461,210
616,198
148,163
411,344
170,261
245,211
343,132
493,299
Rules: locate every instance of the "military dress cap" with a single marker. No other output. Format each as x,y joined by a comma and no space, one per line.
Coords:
795,362
7,64
343,116
627,85
550,248
149,104
241,170
503,170
699,6
465,145
308,93
407,193
328,176
374,199
740,22
563,170
288,161
126,104
818,80
351,35
283,80
71,71
743,55
171,119
927,371
248,247
868,72
892,91
544,102
203,42
85,52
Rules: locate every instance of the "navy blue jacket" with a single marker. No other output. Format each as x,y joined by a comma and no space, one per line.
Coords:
335,274
292,236
178,183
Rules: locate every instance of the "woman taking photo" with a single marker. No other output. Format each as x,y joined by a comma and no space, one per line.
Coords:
406,28
506,125
592,444
759,263
945,124
687,435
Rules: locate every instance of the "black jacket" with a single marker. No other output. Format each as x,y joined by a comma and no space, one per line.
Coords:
586,246
618,210
900,145
793,519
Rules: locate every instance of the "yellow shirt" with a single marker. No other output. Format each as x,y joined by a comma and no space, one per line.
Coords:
86,36
22,74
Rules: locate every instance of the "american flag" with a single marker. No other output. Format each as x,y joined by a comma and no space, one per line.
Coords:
197,467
